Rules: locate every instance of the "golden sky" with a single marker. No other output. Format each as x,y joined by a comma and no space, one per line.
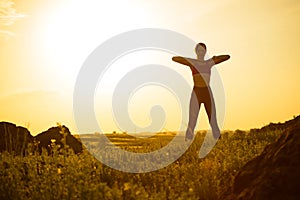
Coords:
44,43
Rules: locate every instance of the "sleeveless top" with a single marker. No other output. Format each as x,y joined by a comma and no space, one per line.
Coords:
201,71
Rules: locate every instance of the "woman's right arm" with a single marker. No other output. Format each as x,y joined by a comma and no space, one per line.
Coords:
181,60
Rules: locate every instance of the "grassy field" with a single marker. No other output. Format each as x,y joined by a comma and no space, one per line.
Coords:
64,175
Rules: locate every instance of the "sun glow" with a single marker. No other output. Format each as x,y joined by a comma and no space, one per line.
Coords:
76,28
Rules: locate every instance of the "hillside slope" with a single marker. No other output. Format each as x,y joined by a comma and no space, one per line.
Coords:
275,173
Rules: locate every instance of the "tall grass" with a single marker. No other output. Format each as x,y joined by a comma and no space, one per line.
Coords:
64,175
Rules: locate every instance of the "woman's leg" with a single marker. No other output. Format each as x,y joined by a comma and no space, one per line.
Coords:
193,114
210,108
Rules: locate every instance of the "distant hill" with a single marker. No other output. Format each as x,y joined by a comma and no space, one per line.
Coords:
275,173
278,126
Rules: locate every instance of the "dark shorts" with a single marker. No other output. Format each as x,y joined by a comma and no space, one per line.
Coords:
203,94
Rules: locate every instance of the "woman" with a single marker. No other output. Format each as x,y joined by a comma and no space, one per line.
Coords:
201,70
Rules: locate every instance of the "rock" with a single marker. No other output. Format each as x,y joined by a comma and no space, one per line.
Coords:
274,174
55,134
14,139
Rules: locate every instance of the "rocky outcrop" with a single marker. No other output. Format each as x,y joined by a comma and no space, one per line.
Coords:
275,173
14,139
278,126
56,134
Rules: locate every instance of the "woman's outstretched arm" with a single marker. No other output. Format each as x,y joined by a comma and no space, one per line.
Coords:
181,60
219,59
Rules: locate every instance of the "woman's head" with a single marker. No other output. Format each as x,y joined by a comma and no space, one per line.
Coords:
200,50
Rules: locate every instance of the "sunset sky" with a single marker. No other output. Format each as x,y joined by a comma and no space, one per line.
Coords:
43,45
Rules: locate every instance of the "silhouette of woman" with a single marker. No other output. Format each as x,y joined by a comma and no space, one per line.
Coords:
201,71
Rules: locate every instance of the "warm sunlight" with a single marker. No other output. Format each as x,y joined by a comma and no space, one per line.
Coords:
44,44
